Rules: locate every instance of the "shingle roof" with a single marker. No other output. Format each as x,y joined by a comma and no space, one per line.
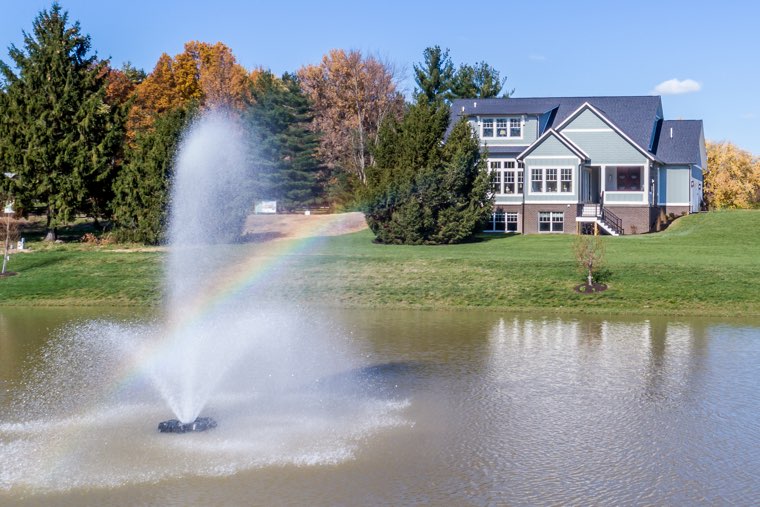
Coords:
634,115
684,147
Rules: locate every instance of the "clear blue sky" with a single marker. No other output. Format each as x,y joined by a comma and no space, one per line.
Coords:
547,48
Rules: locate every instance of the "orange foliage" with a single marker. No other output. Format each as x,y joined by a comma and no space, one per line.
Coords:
351,96
203,73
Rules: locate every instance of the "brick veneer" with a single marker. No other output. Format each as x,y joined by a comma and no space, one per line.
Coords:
531,216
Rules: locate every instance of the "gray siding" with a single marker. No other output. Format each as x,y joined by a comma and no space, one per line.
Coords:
606,148
674,185
551,147
586,120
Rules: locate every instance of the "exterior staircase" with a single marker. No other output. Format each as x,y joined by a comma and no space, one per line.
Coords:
607,220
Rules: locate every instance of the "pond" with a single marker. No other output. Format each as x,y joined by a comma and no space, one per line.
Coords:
467,408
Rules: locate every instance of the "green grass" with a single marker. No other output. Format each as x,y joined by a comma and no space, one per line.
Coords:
706,264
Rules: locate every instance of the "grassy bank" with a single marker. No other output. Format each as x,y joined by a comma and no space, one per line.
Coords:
707,264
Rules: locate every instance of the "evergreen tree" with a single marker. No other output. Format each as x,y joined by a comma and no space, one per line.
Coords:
424,190
141,202
435,76
480,81
61,132
284,145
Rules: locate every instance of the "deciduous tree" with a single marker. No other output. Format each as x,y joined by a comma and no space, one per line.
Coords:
351,96
732,179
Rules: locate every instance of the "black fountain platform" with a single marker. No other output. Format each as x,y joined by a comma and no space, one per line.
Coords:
175,426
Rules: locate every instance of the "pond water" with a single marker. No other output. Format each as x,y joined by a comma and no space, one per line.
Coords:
479,408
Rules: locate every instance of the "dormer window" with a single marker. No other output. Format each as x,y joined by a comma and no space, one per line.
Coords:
501,128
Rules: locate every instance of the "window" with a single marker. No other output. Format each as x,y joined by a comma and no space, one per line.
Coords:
511,225
551,221
506,128
488,127
536,180
506,179
498,221
509,182
551,180
546,180
629,179
515,127
501,127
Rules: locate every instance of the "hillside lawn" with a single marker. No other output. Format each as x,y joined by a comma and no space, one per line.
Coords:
704,264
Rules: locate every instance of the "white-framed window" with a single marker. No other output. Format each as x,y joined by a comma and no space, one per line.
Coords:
496,177
551,180
505,128
502,221
511,221
551,221
506,177
536,180
515,128
502,127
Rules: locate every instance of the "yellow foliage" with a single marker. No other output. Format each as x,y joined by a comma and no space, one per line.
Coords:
732,179
203,73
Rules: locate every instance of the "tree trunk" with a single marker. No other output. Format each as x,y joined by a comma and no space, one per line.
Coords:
52,233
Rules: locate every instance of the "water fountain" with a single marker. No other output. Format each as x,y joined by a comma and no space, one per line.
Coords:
221,349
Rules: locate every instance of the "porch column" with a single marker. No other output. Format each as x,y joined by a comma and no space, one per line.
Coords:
603,177
647,184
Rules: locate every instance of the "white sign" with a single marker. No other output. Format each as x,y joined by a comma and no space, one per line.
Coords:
266,207
8,208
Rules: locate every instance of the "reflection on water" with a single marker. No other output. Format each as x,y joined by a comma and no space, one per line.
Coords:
506,410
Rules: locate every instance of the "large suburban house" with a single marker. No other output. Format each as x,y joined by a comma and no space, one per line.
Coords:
580,164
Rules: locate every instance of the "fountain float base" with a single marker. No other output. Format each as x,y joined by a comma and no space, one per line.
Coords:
175,426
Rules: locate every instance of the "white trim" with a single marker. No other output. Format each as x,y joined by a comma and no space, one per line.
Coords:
567,143
508,118
606,120
543,169
674,203
571,202
551,222
588,130
566,157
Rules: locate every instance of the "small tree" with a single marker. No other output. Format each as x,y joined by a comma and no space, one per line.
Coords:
590,256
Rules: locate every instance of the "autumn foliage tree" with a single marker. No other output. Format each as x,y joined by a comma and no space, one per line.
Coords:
733,177
351,95
203,74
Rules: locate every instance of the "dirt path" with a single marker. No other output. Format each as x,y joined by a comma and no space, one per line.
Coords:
274,227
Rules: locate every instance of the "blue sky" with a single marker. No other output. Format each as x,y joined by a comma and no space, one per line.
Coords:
547,48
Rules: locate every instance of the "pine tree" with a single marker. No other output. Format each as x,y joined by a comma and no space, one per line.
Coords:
62,133
424,190
435,76
141,202
284,145
478,82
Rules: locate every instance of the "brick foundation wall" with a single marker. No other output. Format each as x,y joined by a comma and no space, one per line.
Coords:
531,217
676,210
636,219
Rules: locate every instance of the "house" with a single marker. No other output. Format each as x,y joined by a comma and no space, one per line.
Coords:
581,164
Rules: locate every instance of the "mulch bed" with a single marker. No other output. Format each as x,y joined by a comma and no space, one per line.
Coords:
585,288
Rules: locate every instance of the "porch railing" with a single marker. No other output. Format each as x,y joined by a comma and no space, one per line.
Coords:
612,221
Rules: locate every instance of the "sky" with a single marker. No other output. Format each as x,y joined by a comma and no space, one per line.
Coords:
701,56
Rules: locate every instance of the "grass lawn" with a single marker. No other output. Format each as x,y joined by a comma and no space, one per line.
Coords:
706,264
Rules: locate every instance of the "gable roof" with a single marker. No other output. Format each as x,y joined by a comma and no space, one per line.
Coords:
684,147
634,115
562,139
599,114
